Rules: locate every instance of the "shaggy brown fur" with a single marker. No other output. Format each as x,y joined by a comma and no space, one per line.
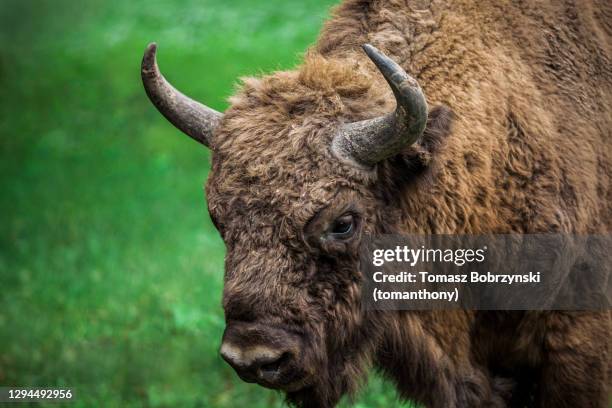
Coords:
527,88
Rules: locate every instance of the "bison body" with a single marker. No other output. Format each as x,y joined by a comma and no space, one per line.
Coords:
517,141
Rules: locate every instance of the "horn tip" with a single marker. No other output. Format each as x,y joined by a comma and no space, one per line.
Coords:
377,57
149,58
369,49
151,49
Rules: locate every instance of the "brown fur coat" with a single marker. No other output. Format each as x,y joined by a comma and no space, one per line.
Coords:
528,85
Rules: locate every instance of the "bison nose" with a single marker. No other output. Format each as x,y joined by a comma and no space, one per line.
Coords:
256,364
262,353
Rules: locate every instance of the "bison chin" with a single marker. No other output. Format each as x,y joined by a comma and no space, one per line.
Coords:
328,386
339,366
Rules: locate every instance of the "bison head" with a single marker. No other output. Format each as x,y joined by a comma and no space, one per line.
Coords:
301,170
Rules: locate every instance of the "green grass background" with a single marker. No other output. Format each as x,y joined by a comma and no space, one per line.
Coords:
110,269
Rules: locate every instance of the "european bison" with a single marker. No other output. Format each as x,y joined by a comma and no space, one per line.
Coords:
516,140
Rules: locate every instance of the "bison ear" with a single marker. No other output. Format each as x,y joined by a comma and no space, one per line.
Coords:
415,159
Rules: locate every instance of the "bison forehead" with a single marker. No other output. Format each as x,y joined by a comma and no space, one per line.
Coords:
261,205
282,124
271,153
280,162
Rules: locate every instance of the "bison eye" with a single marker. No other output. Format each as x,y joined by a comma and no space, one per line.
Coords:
343,226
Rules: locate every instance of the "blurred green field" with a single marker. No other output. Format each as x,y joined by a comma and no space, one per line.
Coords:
110,269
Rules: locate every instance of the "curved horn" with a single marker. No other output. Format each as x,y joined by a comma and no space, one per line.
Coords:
191,117
369,141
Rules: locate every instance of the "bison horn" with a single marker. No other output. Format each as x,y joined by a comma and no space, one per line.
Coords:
369,141
191,117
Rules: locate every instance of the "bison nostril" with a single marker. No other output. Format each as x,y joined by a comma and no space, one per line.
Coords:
268,371
257,362
259,353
